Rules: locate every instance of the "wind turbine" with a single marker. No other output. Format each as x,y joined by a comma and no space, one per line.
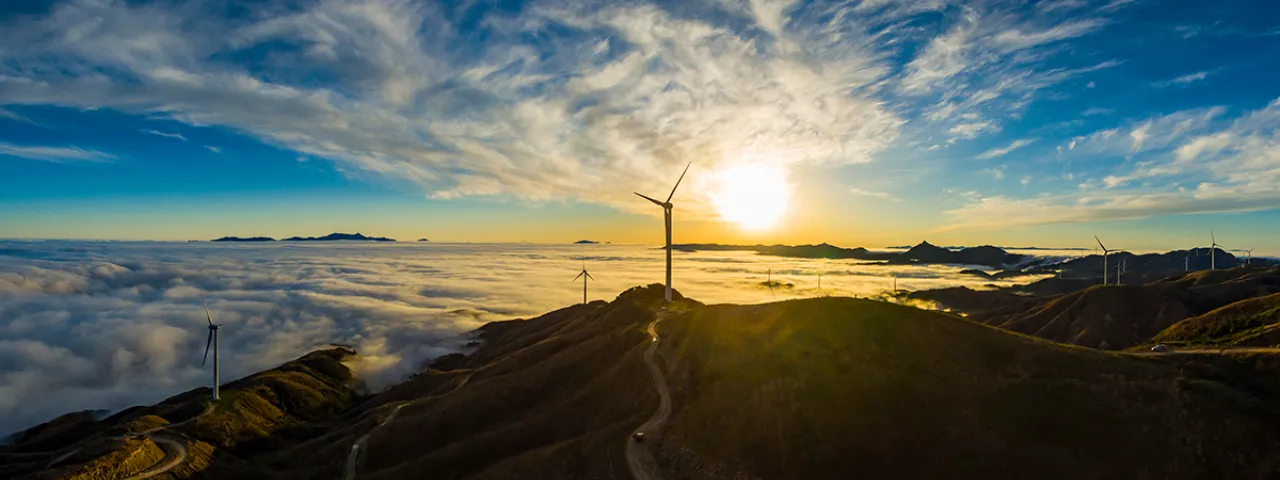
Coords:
213,340
666,215
769,282
584,276
1248,259
1105,252
1120,272
1186,262
1212,249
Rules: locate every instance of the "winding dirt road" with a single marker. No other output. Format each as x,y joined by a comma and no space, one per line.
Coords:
640,459
354,456
175,450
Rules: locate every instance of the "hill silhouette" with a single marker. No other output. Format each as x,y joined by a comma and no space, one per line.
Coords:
1106,317
334,237
243,239
822,387
1250,322
924,253
256,414
812,388
1109,317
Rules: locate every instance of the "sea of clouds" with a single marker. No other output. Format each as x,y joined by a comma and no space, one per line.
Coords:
108,325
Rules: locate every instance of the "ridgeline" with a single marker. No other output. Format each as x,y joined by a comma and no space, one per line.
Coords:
810,388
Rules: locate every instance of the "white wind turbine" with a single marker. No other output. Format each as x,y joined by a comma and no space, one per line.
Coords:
1120,272
213,340
1212,249
666,214
1186,262
584,276
1105,252
1249,258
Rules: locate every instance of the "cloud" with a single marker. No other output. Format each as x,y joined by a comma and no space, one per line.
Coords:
11,115
869,193
163,134
1184,79
1091,111
1200,168
88,325
213,149
628,93
1000,152
54,154
1149,134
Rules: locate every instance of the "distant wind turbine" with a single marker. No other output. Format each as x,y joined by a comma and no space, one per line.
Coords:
213,341
1105,252
769,282
584,276
666,214
1186,262
1120,272
1249,258
1212,249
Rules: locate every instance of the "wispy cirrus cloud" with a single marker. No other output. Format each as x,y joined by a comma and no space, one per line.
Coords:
1002,151
873,194
560,100
54,154
177,136
1212,167
1183,80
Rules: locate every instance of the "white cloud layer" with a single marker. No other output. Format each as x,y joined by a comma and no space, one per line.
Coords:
107,325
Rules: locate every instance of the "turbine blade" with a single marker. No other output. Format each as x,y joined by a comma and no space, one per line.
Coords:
579,275
1104,247
589,275
673,189
655,202
206,348
207,316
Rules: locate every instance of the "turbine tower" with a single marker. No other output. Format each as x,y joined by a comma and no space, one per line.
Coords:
213,340
666,216
1186,262
1105,252
1212,249
584,276
1249,258
769,282
1120,272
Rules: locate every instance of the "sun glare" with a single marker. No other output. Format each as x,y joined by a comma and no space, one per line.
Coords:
753,196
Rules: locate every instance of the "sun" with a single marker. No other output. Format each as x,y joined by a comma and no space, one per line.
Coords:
753,196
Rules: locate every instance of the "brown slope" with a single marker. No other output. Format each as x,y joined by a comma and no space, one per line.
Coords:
1251,322
1110,317
256,414
841,388
548,397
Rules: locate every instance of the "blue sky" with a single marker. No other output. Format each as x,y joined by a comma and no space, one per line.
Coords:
961,122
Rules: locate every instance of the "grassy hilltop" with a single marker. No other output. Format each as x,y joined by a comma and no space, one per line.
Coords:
814,388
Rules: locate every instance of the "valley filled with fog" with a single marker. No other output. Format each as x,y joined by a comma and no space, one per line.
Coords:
107,325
